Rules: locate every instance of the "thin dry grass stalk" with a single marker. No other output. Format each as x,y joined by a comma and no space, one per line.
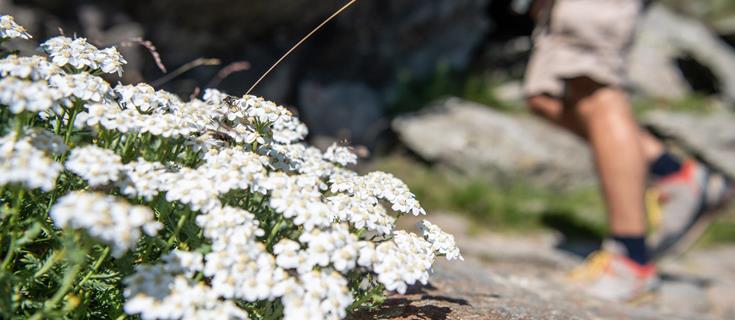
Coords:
151,49
223,73
188,66
336,13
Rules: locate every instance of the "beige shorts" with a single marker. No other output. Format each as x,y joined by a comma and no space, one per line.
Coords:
581,38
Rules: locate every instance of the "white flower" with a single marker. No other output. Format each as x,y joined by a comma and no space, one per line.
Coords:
113,221
96,165
288,129
317,295
104,112
298,198
192,187
79,54
362,212
340,155
441,242
405,260
46,141
83,86
21,161
233,168
23,95
158,292
185,262
144,98
287,254
142,179
33,68
9,29
223,223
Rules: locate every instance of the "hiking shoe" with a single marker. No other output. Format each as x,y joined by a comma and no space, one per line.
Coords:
681,207
613,276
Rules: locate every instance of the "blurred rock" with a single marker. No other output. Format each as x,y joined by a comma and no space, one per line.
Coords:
712,136
483,142
345,110
665,36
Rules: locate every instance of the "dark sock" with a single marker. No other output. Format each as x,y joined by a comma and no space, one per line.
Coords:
635,248
666,164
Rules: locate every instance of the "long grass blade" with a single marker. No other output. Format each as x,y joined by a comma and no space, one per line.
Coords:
336,13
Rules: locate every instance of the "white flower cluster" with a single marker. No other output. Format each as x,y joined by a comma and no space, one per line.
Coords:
404,261
192,187
441,242
113,221
96,165
142,178
362,212
82,86
25,161
9,29
23,95
234,168
319,215
110,115
340,155
81,55
379,185
239,266
298,197
144,98
33,68
46,141
164,291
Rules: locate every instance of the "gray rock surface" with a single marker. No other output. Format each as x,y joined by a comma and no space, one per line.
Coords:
711,135
483,142
346,110
664,36
524,277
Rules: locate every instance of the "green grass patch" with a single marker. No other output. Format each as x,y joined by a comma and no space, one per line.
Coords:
696,103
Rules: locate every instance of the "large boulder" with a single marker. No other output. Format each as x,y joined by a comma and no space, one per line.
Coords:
711,136
666,36
483,142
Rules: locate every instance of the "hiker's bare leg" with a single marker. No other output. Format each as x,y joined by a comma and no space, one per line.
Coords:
616,143
553,110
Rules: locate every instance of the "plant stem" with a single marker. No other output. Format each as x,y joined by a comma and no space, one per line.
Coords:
13,237
179,225
275,230
70,125
95,267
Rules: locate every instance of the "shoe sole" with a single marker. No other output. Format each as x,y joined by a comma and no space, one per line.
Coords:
690,237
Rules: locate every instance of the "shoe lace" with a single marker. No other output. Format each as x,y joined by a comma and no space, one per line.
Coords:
592,267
